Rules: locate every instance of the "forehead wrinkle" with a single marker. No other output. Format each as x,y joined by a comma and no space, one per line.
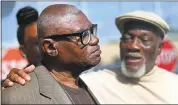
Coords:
80,24
51,22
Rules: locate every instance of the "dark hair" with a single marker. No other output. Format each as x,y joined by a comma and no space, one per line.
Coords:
25,16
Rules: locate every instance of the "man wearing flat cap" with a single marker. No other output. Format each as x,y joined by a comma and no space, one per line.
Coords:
138,80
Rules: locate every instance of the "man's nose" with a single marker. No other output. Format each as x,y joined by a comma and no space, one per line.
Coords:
135,45
94,40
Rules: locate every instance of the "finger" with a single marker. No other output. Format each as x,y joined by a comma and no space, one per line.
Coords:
23,75
7,83
29,69
17,79
12,72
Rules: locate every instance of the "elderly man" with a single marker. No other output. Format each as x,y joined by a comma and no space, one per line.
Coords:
68,46
139,80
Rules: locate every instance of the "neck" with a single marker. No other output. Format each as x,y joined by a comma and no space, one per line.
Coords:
65,78
63,75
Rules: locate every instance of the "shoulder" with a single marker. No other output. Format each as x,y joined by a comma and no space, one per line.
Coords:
91,72
17,92
90,75
167,78
167,74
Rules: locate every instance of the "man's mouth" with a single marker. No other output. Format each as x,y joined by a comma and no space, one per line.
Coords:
96,52
134,60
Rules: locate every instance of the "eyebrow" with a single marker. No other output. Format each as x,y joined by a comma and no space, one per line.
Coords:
131,34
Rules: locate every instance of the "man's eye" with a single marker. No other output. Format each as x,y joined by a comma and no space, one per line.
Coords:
126,37
146,41
145,38
75,38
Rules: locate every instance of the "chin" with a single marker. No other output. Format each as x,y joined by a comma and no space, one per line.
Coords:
96,61
133,73
91,63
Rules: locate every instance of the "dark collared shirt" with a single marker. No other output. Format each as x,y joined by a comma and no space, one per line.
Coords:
79,95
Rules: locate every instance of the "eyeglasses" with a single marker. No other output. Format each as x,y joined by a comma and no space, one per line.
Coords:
85,36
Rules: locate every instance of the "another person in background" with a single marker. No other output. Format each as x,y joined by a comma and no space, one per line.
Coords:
27,34
27,37
68,46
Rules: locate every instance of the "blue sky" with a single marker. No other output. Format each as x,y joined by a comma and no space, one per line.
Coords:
101,13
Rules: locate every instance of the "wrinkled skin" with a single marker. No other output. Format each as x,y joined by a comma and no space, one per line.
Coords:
140,45
69,54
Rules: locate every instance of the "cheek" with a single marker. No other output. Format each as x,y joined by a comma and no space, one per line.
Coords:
33,52
86,51
91,55
69,52
84,54
123,48
122,53
151,53
36,49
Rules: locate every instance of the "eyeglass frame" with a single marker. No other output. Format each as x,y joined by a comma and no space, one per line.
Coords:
80,33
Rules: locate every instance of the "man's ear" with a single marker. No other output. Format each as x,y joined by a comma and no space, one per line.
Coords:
22,51
49,47
160,47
